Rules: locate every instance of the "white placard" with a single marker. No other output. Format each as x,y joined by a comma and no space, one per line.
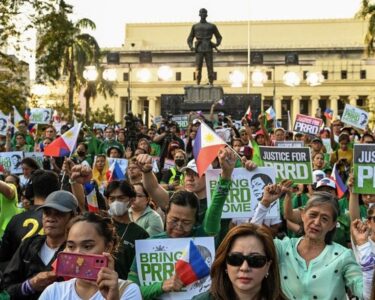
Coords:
3,124
12,161
99,126
37,156
40,115
122,162
355,117
156,262
245,193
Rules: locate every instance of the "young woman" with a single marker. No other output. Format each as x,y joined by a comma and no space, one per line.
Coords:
313,267
318,161
245,267
142,214
99,171
93,234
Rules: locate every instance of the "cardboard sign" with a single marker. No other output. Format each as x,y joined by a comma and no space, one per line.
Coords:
40,115
289,144
156,262
289,163
307,124
245,193
12,161
181,120
100,126
364,168
3,124
355,117
37,156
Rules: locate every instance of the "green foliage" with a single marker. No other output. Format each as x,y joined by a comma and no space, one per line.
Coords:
367,12
104,116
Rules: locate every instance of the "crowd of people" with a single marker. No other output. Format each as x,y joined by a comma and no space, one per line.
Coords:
320,246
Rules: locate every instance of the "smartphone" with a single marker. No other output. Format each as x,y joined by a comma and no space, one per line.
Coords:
76,265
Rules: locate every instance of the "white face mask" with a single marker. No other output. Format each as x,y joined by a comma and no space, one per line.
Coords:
118,208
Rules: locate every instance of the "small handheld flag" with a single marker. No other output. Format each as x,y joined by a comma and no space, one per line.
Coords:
270,113
328,113
114,172
92,200
191,266
248,114
341,187
16,116
206,146
64,144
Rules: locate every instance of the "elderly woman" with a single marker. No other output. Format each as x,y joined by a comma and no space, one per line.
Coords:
246,266
312,266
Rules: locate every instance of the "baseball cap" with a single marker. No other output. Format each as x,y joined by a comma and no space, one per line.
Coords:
318,175
259,132
195,121
193,166
316,139
221,114
326,182
63,201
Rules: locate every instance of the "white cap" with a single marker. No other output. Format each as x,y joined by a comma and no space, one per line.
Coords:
193,166
326,182
318,175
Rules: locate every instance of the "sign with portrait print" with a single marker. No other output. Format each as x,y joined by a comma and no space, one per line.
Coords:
122,162
3,124
11,161
40,115
355,117
307,124
364,168
37,156
245,193
156,259
289,163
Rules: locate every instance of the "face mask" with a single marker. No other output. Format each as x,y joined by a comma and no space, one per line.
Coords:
81,153
118,208
179,162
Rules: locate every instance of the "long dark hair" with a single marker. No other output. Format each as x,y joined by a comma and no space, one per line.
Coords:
221,286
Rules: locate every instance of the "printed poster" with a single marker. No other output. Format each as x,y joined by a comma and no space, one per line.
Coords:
364,168
307,124
11,161
355,117
40,115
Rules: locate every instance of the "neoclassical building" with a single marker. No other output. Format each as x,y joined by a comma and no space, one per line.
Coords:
333,47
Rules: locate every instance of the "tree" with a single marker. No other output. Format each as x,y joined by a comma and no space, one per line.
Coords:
367,12
63,50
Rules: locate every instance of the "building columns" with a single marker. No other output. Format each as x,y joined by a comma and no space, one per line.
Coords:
333,105
296,106
152,108
314,104
353,100
278,106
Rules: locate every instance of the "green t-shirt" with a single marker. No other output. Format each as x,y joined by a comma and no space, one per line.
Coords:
256,154
155,149
8,208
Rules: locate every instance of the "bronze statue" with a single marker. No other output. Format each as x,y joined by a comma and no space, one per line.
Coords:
203,47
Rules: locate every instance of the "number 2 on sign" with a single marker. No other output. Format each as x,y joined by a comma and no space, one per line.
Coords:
34,227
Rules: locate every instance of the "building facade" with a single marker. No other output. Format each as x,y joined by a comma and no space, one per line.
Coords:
332,47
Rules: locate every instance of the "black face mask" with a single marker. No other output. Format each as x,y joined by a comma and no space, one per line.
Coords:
179,162
81,153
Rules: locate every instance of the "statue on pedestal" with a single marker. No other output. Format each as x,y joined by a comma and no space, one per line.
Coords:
203,46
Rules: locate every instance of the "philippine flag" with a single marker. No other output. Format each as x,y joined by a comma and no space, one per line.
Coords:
248,114
92,200
270,113
16,116
206,146
341,188
191,266
328,113
114,172
64,144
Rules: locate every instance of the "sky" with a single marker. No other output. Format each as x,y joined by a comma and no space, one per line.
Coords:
111,16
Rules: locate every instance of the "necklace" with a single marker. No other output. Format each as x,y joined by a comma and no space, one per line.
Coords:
125,231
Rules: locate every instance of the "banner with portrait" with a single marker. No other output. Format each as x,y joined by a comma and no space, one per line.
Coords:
245,193
37,156
122,162
3,124
364,168
289,163
355,117
40,115
11,161
156,259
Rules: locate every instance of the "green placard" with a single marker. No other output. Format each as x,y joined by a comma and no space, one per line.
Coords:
364,169
289,163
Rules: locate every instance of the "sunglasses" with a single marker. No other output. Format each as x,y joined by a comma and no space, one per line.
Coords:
371,218
253,260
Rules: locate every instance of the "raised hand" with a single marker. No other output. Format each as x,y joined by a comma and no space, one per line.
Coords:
144,161
227,161
81,174
272,192
172,284
360,232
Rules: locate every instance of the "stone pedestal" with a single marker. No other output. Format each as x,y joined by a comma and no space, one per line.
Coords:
203,93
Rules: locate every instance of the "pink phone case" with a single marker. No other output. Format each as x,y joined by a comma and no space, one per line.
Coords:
84,266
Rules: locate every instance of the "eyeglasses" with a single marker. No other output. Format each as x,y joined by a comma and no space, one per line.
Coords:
371,218
186,225
121,198
253,260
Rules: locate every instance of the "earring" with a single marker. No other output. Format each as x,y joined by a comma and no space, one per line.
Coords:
226,271
267,275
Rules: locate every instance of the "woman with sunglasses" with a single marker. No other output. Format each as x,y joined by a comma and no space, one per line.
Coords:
245,267
312,266
182,216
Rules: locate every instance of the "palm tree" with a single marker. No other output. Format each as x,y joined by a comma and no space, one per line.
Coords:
63,50
367,12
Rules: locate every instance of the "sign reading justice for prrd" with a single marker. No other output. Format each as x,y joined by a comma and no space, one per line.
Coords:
289,163
156,259
307,124
246,191
364,169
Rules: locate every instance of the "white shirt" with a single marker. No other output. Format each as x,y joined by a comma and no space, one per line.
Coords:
66,291
46,253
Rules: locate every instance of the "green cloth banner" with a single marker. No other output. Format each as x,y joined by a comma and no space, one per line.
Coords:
364,169
289,163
